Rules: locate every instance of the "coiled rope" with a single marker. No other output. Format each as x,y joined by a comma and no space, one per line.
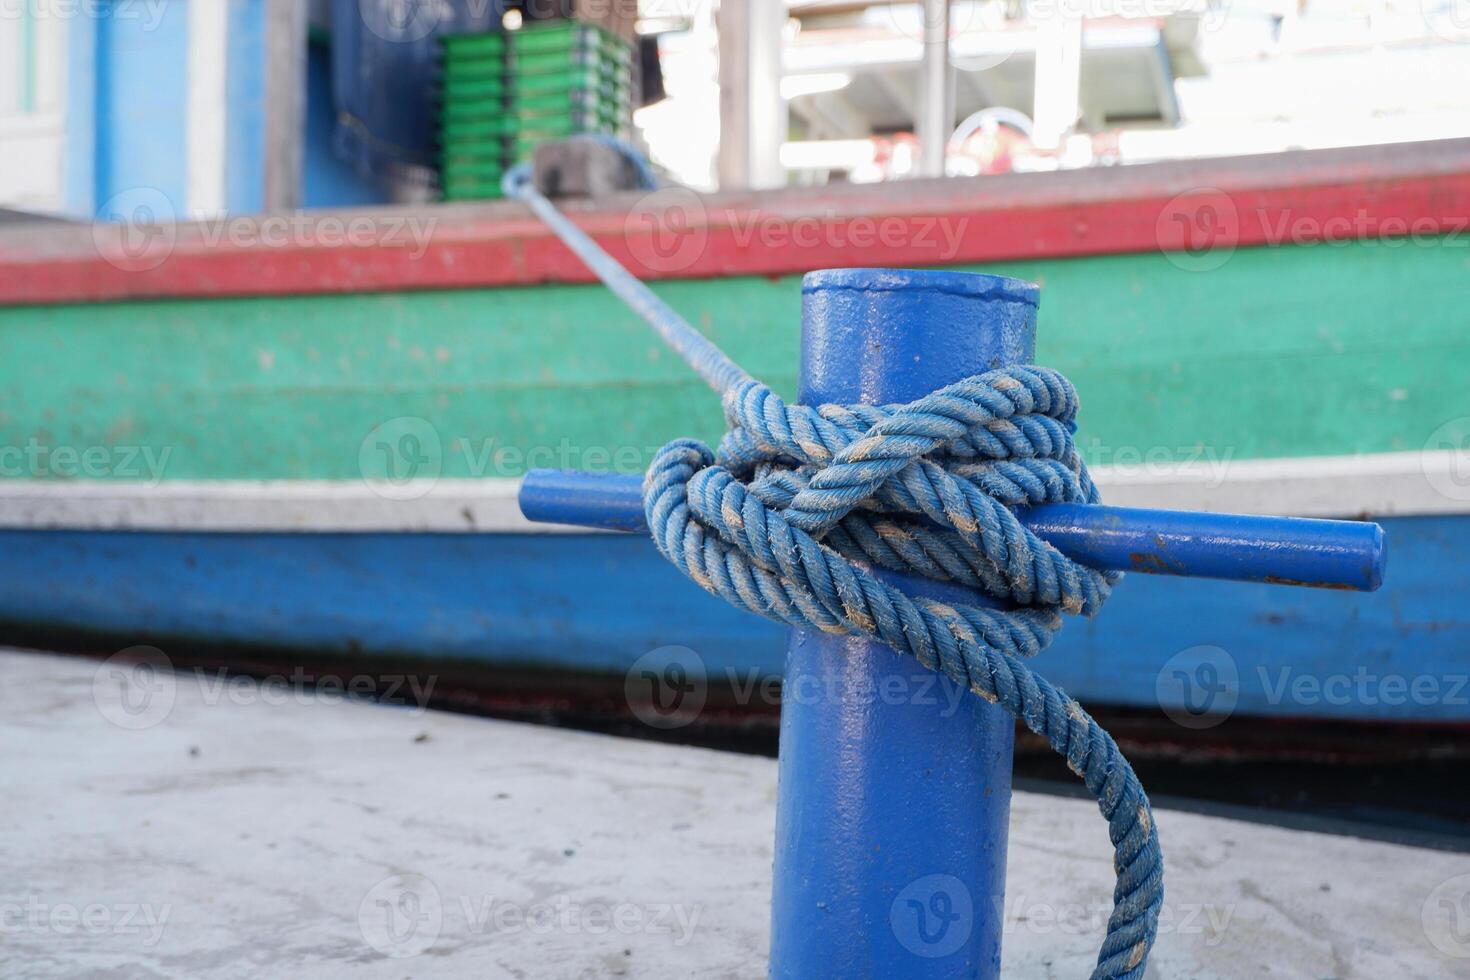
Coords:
784,520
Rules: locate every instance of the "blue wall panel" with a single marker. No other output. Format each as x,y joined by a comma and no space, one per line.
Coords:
245,97
330,181
140,107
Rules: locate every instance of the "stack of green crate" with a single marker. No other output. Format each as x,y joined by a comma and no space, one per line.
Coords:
569,78
503,94
476,132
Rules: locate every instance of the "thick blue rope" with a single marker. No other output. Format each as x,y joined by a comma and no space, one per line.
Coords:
786,518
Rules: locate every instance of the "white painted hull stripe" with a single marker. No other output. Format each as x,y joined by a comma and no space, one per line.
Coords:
1381,485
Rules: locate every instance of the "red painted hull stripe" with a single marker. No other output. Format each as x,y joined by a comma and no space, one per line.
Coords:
1206,208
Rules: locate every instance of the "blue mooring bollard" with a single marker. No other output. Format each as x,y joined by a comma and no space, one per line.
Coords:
895,783
894,792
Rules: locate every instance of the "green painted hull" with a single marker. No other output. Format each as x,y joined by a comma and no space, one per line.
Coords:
1280,352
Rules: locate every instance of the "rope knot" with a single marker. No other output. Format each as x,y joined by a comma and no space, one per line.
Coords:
927,488
801,504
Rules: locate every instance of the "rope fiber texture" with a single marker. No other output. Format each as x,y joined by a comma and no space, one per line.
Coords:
787,518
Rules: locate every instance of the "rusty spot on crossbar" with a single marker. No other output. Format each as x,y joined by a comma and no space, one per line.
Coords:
1278,580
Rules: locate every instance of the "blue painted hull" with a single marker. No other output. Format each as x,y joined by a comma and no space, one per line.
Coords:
595,603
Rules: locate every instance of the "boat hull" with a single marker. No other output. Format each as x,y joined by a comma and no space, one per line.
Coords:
593,604
203,447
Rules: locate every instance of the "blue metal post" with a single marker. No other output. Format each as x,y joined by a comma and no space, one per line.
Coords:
895,784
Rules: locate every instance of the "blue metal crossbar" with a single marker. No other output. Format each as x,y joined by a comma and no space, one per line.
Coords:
1238,547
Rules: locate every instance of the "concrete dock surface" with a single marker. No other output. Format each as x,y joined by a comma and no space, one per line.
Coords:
184,824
